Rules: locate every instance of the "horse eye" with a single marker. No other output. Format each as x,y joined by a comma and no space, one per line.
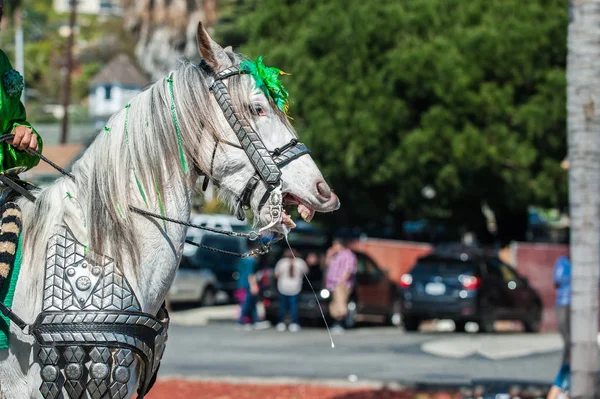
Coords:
257,110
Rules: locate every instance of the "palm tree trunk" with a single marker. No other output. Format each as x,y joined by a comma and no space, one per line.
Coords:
583,124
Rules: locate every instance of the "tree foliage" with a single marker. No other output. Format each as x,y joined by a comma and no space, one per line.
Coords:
465,96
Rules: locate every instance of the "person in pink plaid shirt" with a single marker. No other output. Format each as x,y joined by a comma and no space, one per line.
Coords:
341,272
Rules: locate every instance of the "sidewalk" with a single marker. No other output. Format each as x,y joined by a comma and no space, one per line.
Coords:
229,313
493,347
202,316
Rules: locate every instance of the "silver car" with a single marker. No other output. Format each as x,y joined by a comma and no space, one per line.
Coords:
193,285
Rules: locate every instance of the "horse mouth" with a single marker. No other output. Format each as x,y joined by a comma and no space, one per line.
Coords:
289,201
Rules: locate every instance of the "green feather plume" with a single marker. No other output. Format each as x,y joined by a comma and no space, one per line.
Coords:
267,80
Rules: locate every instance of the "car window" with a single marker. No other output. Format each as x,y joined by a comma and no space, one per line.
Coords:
302,238
240,228
507,273
216,261
500,270
443,267
371,269
360,265
365,267
194,236
494,271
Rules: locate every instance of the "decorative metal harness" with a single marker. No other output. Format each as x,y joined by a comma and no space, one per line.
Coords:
90,315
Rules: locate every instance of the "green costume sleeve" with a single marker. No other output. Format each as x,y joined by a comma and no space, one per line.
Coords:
12,114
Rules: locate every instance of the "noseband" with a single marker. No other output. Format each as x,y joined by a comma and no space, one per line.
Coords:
267,164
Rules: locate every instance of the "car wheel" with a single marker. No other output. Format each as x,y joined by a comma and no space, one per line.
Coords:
208,298
487,317
533,320
411,323
395,317
459,325
350,320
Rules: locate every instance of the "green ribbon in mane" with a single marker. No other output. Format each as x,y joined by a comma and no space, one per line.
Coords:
7,293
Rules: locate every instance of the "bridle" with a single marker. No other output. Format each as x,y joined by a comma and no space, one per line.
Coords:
267,164
281,155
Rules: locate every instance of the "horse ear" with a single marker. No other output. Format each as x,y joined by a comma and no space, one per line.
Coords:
209,50
228,49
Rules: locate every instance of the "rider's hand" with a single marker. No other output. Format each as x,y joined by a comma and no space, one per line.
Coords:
24,138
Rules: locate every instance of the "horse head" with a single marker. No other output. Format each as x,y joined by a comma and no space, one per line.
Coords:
270,167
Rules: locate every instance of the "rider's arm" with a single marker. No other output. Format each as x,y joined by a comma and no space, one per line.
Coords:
12,115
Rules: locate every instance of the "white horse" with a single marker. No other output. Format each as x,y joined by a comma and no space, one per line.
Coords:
149,156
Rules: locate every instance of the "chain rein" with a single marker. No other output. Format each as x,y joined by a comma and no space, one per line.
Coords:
252,236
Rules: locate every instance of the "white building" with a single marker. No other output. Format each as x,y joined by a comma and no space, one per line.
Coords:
95,7
113,87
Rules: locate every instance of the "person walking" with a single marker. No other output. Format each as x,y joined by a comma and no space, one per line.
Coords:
249,290
289,272
341,273
562,284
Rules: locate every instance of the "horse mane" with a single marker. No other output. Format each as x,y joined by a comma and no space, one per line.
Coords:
137,155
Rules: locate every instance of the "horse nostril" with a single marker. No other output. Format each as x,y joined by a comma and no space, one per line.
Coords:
323,190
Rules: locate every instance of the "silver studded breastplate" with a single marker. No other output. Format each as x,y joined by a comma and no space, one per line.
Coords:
92,327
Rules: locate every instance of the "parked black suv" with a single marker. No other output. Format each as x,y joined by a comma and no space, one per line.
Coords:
468,285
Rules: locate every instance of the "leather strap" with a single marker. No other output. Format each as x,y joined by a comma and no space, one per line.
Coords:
18,188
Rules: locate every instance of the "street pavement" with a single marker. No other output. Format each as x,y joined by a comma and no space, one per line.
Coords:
206,343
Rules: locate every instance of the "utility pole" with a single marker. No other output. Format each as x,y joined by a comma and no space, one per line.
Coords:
583,131
19,46
67,85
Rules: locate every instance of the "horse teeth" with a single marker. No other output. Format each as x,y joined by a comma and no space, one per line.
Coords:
306,213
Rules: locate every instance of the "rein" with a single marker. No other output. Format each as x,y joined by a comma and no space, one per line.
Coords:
252,235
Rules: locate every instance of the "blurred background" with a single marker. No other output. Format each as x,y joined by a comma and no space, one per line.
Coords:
441,125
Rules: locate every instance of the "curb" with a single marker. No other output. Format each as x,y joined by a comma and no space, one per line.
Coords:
333,383
534,388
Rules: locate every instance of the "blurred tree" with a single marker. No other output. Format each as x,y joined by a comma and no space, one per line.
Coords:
467,97
12,6
166,30
99,40
215,206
